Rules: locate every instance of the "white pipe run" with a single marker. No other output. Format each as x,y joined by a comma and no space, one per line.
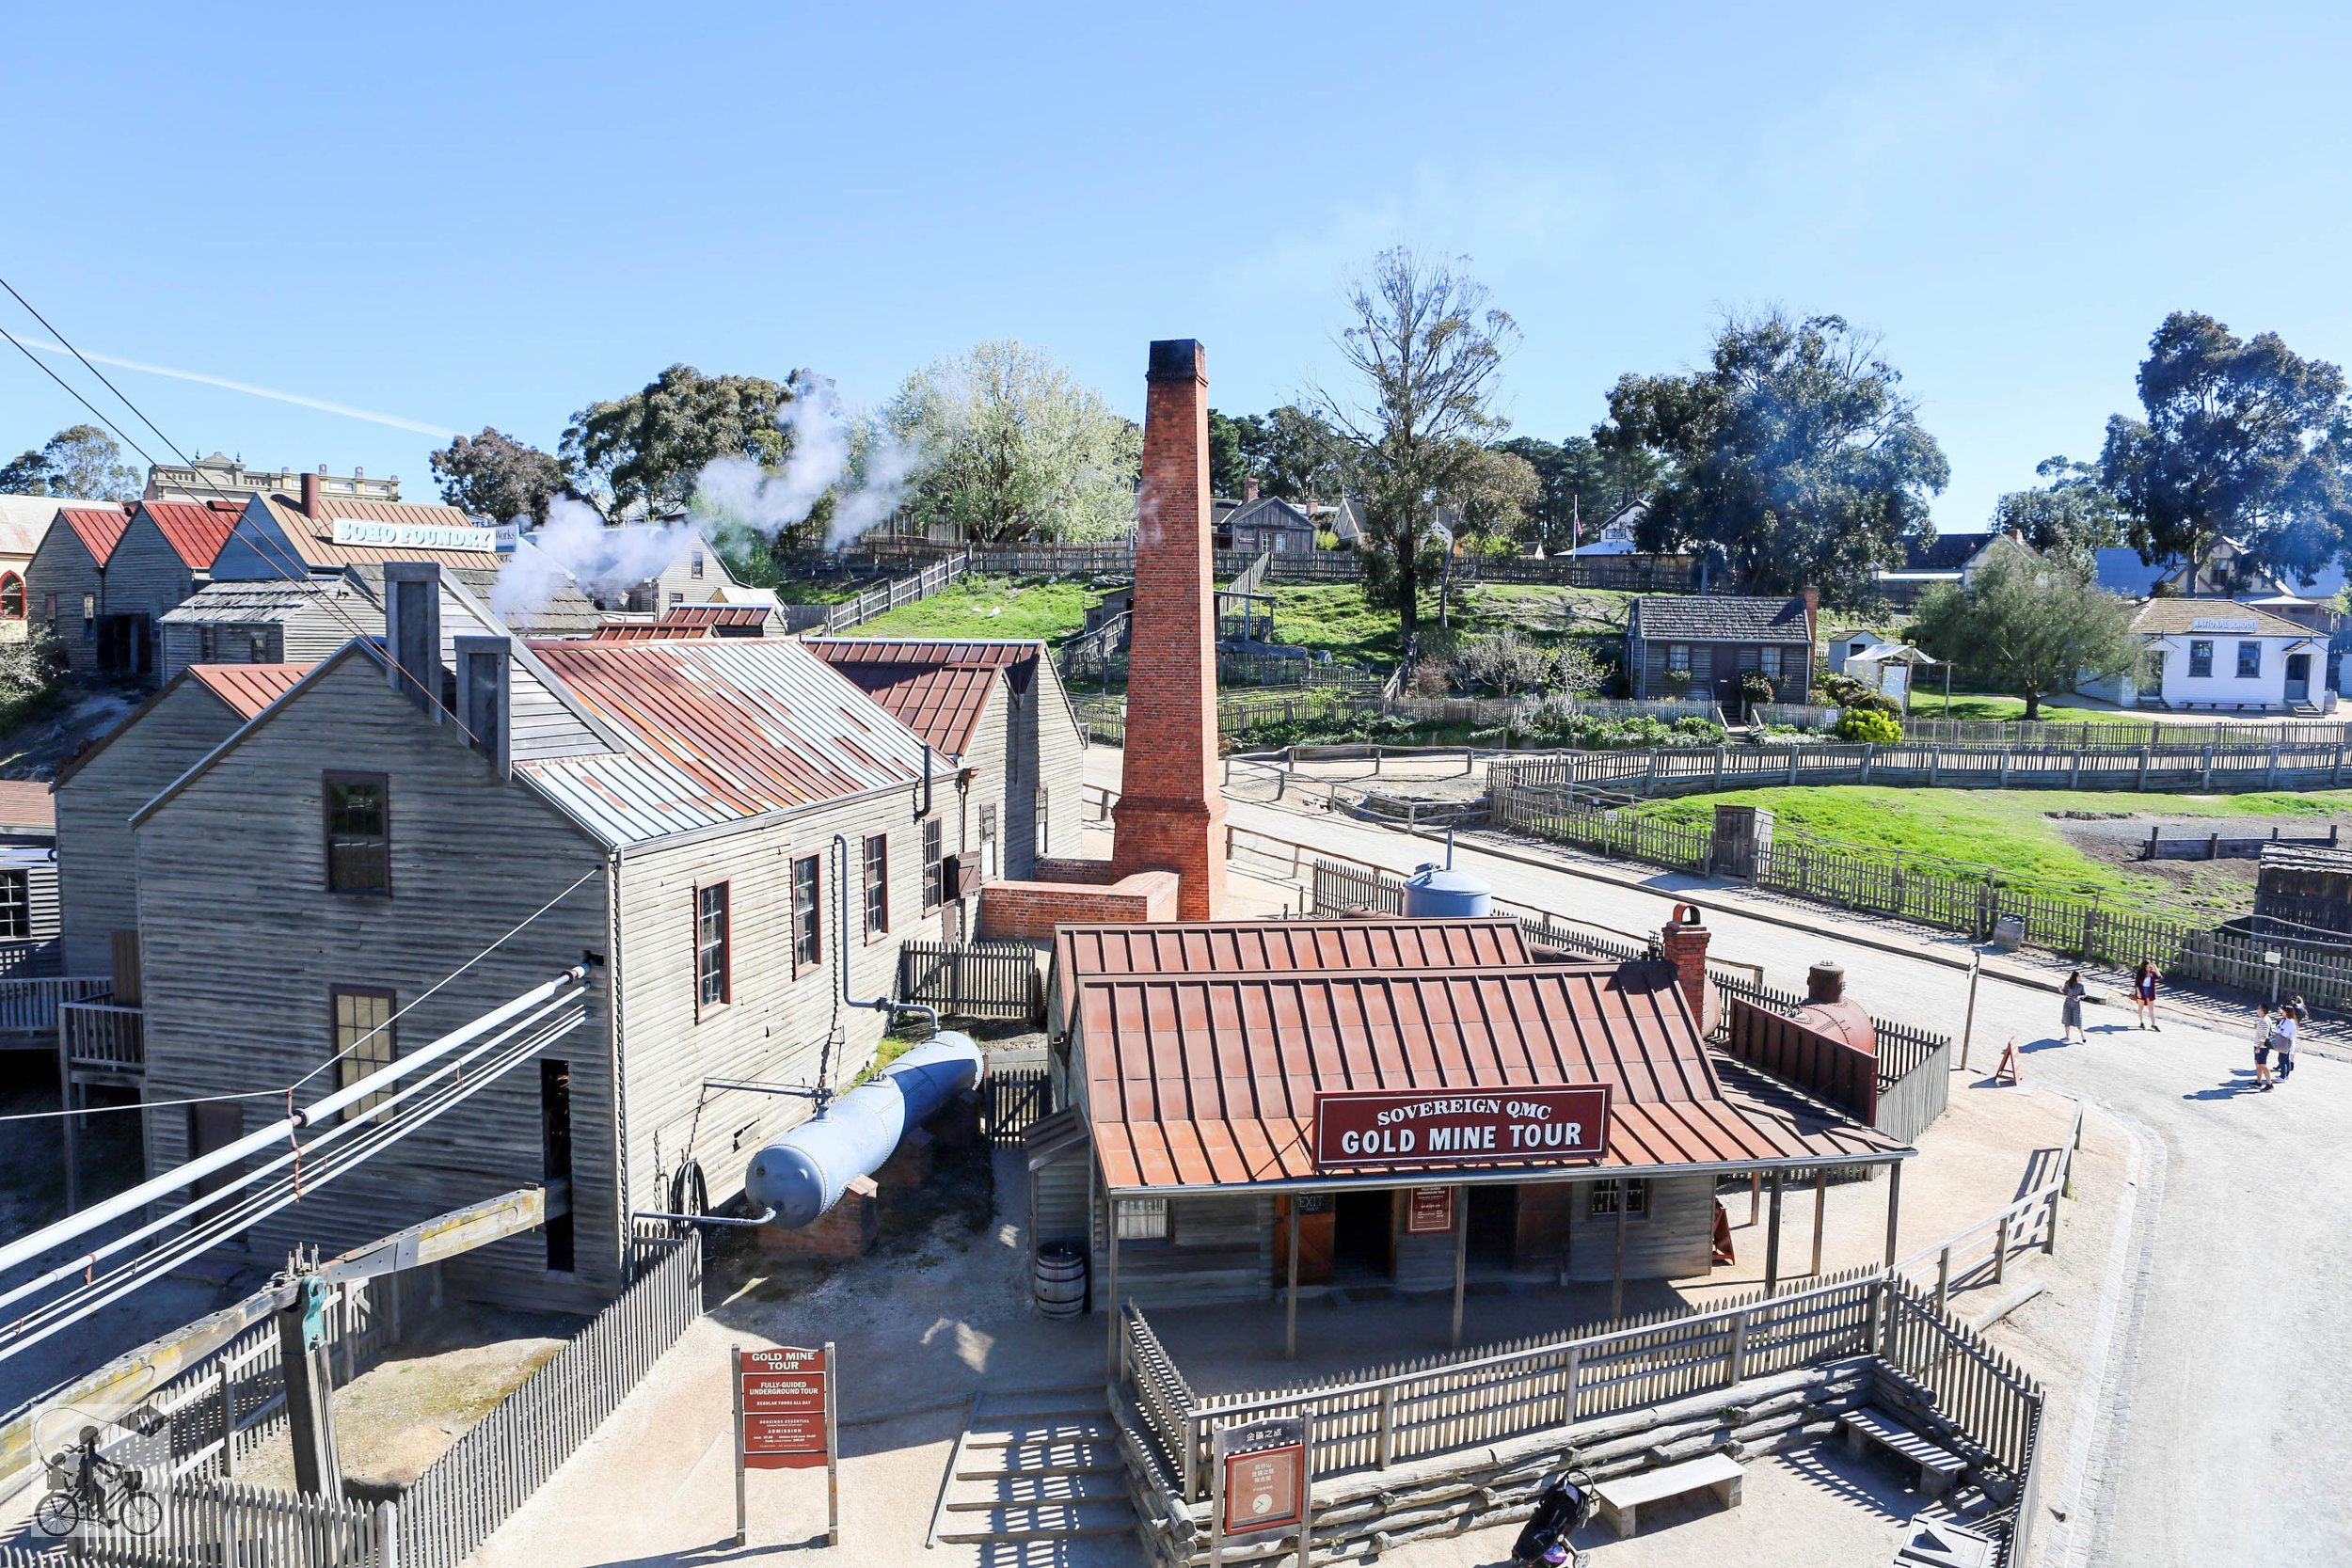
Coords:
138,1197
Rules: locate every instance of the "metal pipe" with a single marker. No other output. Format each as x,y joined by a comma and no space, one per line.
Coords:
135,1199
765,1216
841,945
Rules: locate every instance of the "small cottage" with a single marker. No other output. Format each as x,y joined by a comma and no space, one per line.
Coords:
1700,645
2216,656
65,580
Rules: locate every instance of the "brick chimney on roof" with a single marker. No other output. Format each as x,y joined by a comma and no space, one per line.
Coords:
1250,488
310,495
1682,942
1171,812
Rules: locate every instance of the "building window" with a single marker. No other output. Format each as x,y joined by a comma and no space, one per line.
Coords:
1044,824
808,944
358,833
1677,655
90,615
365,1039
11,597
204,644
988,842
1605,1199
1143,1219
876,885
2249,661
2200,660
694,568
49,609
712,967
932,857
1768,660
257,645
16,906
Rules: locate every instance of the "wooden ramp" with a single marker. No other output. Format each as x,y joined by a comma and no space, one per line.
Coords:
1034,1464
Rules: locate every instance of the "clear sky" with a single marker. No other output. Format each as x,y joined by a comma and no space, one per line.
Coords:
461,216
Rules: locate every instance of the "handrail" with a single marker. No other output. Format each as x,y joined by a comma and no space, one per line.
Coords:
2040,1195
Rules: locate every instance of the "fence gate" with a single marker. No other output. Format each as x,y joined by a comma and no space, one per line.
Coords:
976,979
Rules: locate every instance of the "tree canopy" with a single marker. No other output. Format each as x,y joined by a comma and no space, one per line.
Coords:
1292,453
649,448
1011,444
81,461
2031,627
2071,516
1793,451
1428,351
1582,484
493,475
2242,438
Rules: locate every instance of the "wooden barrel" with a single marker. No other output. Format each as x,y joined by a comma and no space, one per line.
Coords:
1061,1282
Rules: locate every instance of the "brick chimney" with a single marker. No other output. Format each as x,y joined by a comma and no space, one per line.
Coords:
1250,489
309,494
1683,944
1171,812
1812,611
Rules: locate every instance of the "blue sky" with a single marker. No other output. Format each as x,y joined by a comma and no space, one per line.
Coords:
461,216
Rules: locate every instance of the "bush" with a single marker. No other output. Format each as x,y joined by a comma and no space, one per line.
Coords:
1847,692
1558,723
1754,687
1505,660
1861,727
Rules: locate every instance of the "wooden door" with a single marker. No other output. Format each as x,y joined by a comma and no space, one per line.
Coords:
1315,1239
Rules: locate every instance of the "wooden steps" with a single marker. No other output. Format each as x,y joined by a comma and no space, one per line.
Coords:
1034,1464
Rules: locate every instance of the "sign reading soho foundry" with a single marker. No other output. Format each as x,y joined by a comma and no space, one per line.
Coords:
1390,1128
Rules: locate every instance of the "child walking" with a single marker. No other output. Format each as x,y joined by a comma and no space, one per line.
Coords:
2284,1040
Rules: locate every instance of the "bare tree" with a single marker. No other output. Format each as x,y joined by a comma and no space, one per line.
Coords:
1428,351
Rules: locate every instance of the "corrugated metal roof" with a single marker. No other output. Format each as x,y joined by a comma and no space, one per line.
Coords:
23,520
313,538
724,729
941,687
645,631
99,528
26,806
243,603
249,687
1202,1080
715,615
1719,618
195,530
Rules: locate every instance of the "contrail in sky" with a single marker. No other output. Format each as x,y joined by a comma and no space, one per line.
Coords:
392,419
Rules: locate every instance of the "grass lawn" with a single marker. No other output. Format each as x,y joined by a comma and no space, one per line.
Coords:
1926,702
1338,619
2009,831
1050,608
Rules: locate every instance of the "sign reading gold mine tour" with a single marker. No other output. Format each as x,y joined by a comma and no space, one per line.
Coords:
784,1409
1359,1129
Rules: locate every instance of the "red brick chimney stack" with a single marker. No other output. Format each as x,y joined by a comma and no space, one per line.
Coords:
1171,812
1683,944
310,495
1250,489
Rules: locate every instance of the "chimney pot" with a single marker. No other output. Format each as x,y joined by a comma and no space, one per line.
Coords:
1825,982
1683,944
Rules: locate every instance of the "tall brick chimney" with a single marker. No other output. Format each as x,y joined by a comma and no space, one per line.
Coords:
1682,942
310,495
1171,812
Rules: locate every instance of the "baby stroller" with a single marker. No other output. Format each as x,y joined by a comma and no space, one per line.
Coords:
1564,1506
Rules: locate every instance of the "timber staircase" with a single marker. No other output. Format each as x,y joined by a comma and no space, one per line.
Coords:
1034,1464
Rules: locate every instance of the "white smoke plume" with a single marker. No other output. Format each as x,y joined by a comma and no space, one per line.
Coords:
575,544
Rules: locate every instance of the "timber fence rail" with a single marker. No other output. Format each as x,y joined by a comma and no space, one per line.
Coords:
1981,1253
494,1468
1931,891
1017,1099
2059,736
976,979
890,596
30,1003
209,1524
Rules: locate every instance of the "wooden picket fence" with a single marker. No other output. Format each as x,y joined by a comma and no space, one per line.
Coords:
1018,1098
976,979
210,1523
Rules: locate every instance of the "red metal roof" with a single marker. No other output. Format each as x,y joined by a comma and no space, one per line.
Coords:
937,687
99,528
249,687
715,615
195,530
996,653
645,631
27,804
1199,1080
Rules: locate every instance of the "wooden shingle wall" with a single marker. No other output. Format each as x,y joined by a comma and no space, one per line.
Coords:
62,566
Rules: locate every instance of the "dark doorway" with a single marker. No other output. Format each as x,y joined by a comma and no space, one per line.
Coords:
214,1125
126,645
2299,677
1494,1228
1362,1228
555,1145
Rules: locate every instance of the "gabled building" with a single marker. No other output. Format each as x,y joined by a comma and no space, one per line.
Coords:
1699,646
23,519
319,532
165,555
64,582
728,829
2219,656
1260,523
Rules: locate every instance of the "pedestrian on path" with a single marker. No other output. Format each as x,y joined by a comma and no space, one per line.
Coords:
2263,1026
2285,1038
2070,1016
2144,992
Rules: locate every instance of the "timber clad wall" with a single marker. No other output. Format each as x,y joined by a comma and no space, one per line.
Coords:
1220,1248
144,576
97,850
240,944
63,566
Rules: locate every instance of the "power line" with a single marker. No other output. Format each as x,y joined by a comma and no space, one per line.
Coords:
88,366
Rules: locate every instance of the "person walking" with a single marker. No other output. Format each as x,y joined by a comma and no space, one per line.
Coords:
2263,1027
2285,1039
2071,1015
2144,994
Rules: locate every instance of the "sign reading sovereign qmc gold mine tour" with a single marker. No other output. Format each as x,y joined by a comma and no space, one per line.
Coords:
1359,1128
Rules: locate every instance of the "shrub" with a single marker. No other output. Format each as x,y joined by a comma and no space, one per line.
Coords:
1505,660
1861,727
1754,687
1847,692
1678,682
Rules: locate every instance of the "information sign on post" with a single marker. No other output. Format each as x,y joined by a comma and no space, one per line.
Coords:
1428,1210
785,1413
1263,1484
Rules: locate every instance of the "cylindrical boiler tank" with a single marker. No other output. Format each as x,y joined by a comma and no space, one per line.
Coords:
804,1172
1439,893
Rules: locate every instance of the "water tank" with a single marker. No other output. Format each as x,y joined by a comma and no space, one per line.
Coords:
804,1172
1442,892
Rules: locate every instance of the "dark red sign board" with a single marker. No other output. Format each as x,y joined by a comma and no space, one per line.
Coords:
783,1408
1265,1489
1428,1210
1391,1129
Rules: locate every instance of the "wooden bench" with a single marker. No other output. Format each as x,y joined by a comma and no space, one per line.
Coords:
1621,1500
1938,1469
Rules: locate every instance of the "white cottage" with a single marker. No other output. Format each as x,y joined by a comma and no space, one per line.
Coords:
2217,654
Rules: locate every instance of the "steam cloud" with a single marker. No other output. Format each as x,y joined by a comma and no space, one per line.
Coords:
576,544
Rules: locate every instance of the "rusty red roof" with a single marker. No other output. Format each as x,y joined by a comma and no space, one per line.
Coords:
26,804
248,688
994,652
1209,1079
195,530
313,538
938,687
645,631
99,528
715,615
